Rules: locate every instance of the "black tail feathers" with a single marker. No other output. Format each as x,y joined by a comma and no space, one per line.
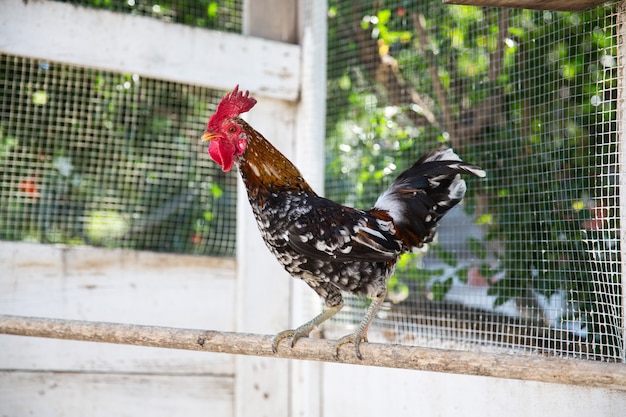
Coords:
422,194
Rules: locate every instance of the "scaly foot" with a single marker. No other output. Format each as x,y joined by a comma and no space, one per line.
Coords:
361,332
295,334
305,329
356,338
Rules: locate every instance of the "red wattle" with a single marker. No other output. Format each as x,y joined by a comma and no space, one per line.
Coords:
222,153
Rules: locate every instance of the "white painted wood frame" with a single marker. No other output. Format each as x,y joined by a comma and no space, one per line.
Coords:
256,295
49,377
57,377
269,300
137,44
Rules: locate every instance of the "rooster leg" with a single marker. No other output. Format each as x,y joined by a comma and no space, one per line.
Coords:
306,328
360,335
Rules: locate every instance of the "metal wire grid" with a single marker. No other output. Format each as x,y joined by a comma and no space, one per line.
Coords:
107,159
531,262
223,15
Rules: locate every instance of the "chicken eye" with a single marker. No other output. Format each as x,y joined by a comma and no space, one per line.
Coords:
232,129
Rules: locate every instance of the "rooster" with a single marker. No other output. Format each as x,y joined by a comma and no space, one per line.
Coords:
331,247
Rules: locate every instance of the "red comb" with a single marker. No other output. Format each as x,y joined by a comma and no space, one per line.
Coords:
232,105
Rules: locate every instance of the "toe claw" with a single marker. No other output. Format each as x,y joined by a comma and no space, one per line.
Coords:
295,335
356,338
280,336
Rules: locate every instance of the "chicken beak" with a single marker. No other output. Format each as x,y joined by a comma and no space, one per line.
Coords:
207,136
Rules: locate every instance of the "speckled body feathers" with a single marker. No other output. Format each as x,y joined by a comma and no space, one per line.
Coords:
320,242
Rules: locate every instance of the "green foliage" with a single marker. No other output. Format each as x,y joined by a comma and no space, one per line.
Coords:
109,160
224,15
549,179
366,157
104,227
548,204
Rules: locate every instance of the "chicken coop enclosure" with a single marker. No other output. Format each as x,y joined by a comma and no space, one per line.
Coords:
532,260
111,210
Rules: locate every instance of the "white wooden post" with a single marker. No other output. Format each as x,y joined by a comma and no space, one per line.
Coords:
306,377
263,287
268,299
262,386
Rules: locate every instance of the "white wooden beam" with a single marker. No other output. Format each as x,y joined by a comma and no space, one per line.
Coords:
262,291
25,393
142,45
307,376
59,377
262,385
268,297
127,286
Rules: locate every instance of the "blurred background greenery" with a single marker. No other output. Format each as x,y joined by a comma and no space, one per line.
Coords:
528,95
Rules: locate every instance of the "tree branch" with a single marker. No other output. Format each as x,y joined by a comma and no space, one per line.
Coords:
472,121
384,68
524,367
496,58
423,40
399,92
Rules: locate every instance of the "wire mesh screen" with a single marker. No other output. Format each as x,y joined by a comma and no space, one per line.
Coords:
106,159
531,260
223,15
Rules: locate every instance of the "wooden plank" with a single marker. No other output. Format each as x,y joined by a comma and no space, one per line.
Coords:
117,285
403,393
311,117
105,40
309,157
113,285
280,25
79,394
557,5
263,287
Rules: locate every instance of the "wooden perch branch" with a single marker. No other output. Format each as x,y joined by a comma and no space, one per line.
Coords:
535,368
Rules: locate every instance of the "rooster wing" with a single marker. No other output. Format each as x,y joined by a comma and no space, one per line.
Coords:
331,232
